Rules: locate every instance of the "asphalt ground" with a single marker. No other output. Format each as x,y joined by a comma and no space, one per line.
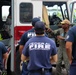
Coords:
63,71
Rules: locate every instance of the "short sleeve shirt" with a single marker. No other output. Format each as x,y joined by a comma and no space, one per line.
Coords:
72,38
39,49
27,35
3,50
62,42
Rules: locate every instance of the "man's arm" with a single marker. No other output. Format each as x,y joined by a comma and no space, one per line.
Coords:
54,53
22,42
53,58
4,51
60,38
69,43
69,50
21,48
24,53
5,55
23,58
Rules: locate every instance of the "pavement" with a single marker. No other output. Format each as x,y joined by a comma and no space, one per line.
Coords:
63,71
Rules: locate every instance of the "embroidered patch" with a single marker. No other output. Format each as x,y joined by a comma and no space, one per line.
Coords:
67,37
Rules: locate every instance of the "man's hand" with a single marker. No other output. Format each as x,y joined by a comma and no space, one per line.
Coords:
48,30
54,58
60,38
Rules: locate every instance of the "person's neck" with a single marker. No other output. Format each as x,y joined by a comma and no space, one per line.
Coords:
39,34
65,30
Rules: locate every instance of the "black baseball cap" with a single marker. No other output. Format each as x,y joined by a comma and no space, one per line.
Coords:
34,20
39,26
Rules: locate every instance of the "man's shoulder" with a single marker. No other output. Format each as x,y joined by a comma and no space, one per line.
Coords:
74,26
31,39
73,29
31,30
1,43
28,31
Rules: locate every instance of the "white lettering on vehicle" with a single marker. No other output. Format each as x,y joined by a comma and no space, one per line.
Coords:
39,46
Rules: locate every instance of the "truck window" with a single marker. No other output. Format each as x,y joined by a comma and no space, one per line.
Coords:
26,12
57,11
74,13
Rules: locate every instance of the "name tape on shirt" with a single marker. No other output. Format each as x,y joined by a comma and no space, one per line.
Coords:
39,46
31,34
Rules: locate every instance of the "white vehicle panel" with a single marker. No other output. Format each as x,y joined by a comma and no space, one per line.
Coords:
37,11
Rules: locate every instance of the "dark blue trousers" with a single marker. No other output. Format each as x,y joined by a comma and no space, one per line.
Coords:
38,73
24,68
73,68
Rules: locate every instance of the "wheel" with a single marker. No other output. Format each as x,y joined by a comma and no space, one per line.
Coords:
18,57
9,65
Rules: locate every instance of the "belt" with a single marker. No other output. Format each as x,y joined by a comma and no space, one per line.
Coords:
42,70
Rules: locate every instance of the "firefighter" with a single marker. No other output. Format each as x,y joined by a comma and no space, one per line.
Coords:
25,37
71,49
3,55
39,49
62,56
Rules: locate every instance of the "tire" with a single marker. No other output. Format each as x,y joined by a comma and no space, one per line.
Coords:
18,56
9,65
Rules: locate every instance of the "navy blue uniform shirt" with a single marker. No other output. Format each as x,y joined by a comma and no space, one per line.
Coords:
3,50
71,36
39,49
27,35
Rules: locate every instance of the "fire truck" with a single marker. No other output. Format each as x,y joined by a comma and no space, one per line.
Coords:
19,21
